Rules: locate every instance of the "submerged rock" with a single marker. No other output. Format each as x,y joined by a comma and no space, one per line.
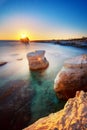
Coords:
15,105
2,63
37,60
72,77
72,117
20,59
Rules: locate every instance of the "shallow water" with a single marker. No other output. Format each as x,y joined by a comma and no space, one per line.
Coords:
34,97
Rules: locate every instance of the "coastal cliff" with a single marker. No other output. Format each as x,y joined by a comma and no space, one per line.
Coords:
72,117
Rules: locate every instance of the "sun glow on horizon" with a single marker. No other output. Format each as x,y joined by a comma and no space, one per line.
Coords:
23,36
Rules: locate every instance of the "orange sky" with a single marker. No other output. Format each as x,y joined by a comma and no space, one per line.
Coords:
35,28
15,33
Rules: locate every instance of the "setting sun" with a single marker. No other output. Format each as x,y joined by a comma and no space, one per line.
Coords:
23,36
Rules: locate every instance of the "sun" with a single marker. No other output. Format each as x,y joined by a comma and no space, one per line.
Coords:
23,36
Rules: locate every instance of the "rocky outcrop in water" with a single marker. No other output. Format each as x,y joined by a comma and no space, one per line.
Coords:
72,117
2,63
20,59
72,77
24,40
37,60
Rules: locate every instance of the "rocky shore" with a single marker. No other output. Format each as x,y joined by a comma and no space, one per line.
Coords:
78,42
71,78
70,82
81,43
72,117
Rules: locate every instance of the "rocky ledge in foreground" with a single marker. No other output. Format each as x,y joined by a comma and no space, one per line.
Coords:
37,60
72,117
72,77
2,63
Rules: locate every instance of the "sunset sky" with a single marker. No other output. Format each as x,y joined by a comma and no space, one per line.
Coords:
43,19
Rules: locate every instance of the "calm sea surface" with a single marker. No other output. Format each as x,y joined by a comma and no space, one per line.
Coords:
25,95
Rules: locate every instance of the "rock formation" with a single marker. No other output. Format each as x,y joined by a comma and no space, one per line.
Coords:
72,117
37,60
24,40
2,63
72,77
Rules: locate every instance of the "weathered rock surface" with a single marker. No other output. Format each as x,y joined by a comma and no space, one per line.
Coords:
37,60
2,63
72,117
72,77
15,100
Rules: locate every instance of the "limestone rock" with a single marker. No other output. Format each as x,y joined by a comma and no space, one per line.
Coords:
37,60
72,77
72,117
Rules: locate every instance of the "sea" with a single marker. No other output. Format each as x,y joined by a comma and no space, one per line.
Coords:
26,96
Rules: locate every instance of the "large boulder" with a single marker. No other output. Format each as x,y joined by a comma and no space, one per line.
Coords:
72,117
72,77
37,60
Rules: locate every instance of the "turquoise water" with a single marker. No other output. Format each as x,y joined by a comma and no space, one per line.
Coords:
43,100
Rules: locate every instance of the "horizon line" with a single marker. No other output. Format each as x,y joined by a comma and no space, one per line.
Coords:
84,37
